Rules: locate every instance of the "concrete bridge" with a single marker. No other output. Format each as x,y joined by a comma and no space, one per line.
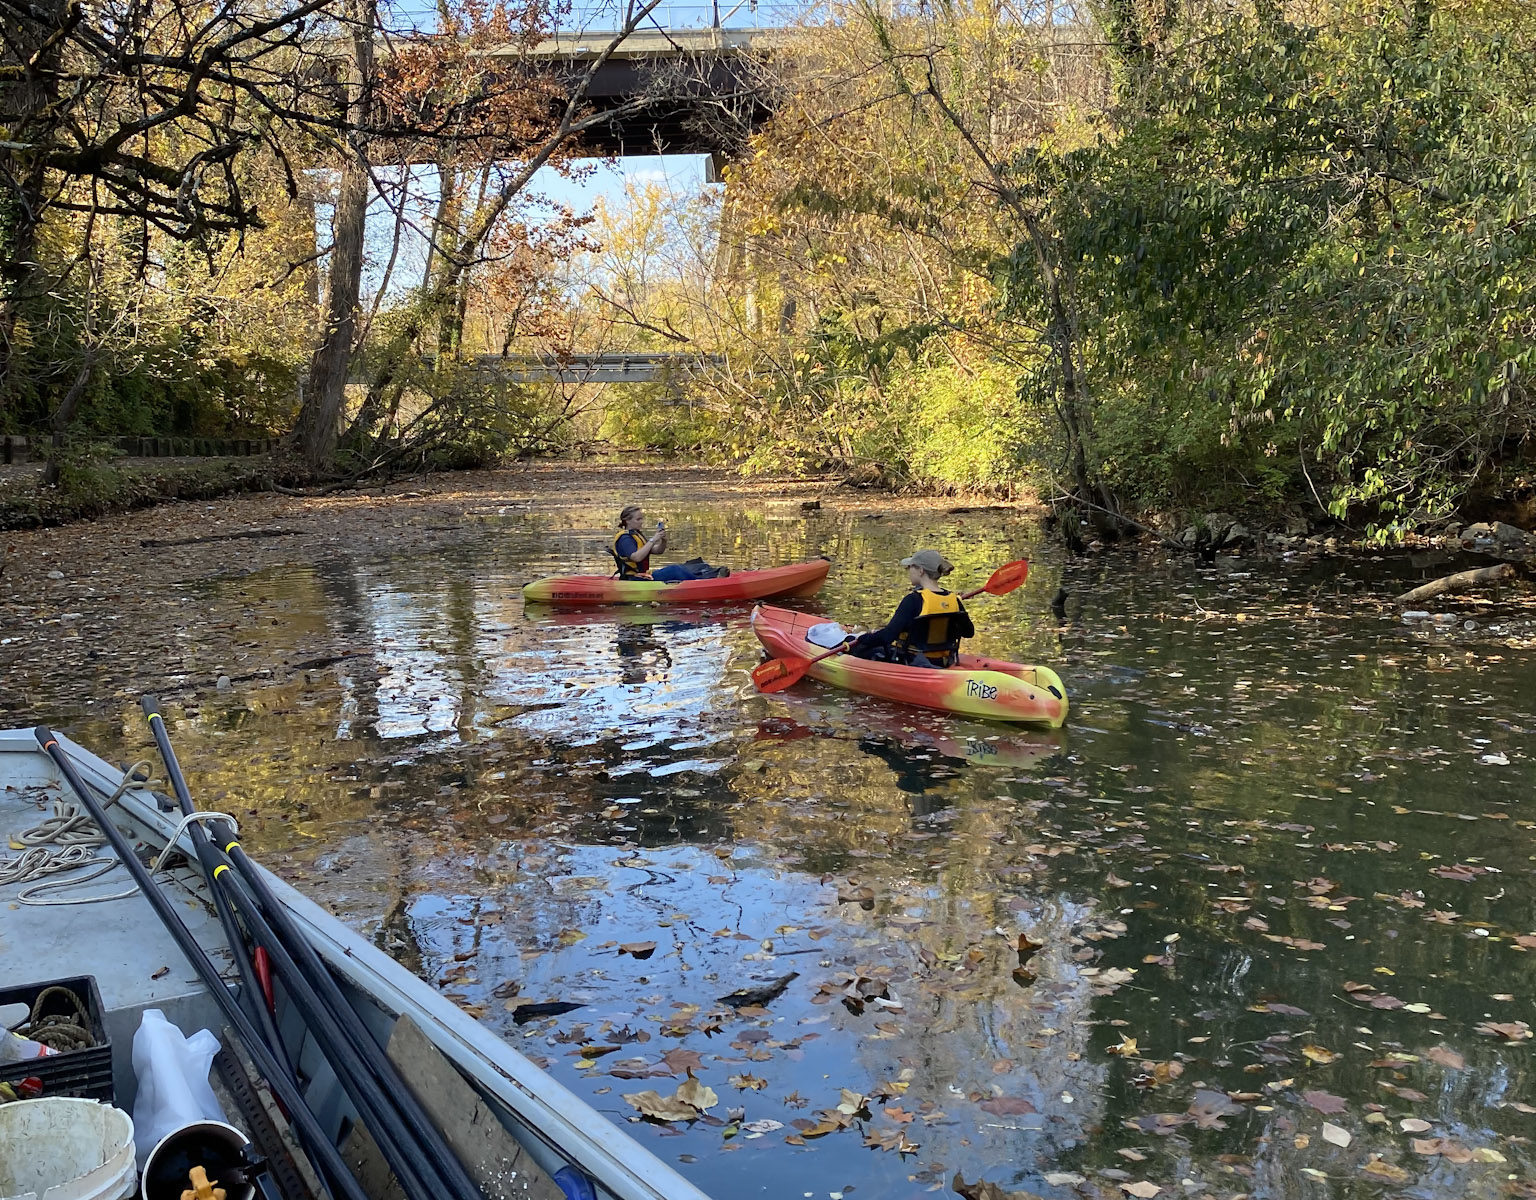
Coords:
620,367
702,88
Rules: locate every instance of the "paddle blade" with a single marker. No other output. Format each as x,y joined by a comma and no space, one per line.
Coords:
779,673
1007,577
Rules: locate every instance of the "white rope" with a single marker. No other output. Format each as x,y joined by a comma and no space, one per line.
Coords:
75,835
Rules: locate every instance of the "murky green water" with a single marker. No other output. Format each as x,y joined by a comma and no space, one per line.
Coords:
1278,847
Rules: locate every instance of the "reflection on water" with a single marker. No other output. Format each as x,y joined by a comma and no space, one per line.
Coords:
1275,872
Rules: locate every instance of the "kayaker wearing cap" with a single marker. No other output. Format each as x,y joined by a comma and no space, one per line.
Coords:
928,624
632,553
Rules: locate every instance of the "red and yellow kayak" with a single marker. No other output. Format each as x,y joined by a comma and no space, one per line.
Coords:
989,688
801,579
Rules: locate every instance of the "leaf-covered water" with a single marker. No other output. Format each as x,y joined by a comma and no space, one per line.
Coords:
1257,922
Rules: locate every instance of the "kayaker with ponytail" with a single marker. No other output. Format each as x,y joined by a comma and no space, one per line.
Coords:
632,553
926,629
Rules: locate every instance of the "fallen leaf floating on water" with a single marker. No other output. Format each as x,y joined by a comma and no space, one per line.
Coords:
1414,1125
1446,1148
681,1061
1296,943
749,997
638,949
700,1096
1007,1106
890,1139
1142,1189
526,1011
1460,872
1320,1055
1157,1074
1336,1135
1325,1102
1513,1031
1208,1107
1378,1168
864,897
1126,1047
985,1189
1450,1059
639,1068
661,1108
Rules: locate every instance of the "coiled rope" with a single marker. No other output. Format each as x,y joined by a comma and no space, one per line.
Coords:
67,841
59,1031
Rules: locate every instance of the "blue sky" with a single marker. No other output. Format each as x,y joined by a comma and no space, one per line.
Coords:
682,173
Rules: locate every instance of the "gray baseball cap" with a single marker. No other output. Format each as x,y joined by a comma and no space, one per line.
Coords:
931,561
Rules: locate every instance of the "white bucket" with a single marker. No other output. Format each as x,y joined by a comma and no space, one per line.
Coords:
64,1149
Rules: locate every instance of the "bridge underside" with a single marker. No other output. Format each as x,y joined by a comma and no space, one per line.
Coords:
708,106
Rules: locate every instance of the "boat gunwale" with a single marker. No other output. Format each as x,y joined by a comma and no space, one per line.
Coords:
544,1105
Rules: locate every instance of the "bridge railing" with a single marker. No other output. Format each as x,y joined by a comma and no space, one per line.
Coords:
726,14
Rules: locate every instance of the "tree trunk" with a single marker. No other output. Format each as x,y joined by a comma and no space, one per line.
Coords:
63,416
319,423
27,90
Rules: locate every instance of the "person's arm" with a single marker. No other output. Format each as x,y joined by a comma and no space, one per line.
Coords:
640,552
964,627
906,612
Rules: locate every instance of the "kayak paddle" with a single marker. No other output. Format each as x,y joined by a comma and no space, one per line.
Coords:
777,674
1004,579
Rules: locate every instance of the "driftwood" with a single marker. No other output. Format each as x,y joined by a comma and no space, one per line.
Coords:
220,537
1457,582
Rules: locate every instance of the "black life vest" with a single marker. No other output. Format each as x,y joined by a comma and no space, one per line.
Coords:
628,567
929,634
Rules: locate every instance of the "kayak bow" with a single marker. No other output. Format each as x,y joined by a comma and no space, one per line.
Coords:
975,686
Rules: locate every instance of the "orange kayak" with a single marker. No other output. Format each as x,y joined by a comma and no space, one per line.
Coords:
801,579
989,688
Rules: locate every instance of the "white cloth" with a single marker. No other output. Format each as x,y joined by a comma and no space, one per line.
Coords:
826,635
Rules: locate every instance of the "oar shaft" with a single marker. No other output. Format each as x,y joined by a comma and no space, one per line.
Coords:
298,965
374,1107
339,1179
206,854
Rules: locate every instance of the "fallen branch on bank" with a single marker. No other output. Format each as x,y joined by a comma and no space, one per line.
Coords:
1460,581
219,537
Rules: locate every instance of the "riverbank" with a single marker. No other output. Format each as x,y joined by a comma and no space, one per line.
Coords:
127,486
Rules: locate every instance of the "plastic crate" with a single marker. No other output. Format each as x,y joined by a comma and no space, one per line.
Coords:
83,1073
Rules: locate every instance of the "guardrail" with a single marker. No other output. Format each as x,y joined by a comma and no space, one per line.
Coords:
638,367
715,14
16,448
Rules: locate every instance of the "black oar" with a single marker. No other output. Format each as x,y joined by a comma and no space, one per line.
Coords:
338,1179
392,1132
378,1085
250,986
